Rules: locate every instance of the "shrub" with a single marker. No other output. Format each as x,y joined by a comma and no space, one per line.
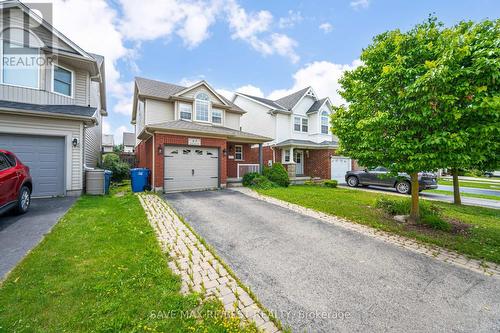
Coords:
330,183
311,183
429,213
120,169
249,177
277,174
262,183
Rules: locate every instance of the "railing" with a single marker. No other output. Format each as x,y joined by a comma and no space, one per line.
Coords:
243,169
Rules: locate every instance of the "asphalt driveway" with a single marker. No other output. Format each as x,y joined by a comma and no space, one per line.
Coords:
319,277
20,233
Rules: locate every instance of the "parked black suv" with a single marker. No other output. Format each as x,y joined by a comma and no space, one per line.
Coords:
379,177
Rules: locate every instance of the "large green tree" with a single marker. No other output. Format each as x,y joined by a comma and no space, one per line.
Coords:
387,121
463,85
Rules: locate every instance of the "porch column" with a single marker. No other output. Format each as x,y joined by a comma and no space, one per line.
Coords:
261,159
292,158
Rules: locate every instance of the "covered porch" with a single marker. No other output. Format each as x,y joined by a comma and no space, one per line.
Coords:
305,160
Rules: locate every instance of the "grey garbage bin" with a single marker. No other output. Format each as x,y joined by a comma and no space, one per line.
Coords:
95,182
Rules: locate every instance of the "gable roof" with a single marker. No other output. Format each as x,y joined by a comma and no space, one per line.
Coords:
317,105
163,90
291,100
268,102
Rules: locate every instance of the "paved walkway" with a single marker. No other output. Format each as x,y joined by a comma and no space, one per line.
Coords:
200,271
323,277
20,233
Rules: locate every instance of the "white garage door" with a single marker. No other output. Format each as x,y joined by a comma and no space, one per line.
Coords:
340,165
45,157
191,168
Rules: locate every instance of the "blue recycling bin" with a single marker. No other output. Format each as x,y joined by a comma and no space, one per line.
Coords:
140,179
107,180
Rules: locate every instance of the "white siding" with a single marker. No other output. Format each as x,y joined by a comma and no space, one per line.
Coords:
257,120
304,105
158,111
93,135
70,129
139,120
232,120
283,127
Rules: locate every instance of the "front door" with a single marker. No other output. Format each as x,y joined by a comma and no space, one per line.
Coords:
299,162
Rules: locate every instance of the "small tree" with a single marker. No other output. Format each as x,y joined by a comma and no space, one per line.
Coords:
388,122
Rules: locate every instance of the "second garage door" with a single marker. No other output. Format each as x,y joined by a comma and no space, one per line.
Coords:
45,157
340,165
190,168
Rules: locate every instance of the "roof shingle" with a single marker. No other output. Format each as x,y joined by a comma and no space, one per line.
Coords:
72,110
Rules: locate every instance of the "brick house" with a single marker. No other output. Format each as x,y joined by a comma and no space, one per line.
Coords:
299,124
190,137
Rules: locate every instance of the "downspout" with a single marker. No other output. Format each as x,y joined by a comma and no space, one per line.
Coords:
153,160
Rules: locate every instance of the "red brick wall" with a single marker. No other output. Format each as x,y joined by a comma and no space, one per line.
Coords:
143,154
170,139
318,164
250,156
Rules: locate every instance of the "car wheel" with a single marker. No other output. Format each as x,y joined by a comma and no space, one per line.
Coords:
403,187
23,200
352,181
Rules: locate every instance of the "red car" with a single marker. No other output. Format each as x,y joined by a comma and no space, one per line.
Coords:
15,183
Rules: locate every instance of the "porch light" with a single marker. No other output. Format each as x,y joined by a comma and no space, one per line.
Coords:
160,150
224,151
74,142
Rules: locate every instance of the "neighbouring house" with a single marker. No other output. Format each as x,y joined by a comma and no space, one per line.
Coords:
190,137
128,142
52,100
108,143
299,124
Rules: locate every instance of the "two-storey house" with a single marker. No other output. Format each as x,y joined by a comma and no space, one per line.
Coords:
52,100
190,137
299,124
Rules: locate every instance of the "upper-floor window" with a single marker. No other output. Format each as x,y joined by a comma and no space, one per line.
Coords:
20,65
324,122
300,124
202,106
63,81
186,111
216,116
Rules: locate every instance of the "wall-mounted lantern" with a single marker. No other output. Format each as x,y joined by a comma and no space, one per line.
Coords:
224,151
160,149
74,142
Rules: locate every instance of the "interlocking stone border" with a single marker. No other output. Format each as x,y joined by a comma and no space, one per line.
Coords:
199,270
436,252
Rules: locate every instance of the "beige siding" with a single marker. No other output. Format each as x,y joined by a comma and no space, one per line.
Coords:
158,111
233,120
70,129
192,94
81,89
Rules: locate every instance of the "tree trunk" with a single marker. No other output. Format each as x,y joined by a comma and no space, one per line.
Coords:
415,211
456,188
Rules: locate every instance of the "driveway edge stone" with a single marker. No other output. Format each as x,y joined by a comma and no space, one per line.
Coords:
436,252
200,269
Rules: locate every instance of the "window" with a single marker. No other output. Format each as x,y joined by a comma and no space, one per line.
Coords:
296,124
238,152
202,104
287,155
300,124
186,111
216,116
304,125
324,122
20,65
4,164
63,81
11,159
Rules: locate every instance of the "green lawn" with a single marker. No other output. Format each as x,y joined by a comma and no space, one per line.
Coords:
102,270
483,241
463,183
469,195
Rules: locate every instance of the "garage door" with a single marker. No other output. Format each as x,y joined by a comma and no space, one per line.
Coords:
45,157
191,168
340,165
